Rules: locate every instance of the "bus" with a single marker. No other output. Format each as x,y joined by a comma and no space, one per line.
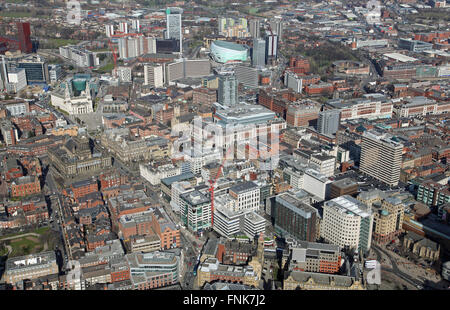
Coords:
197,263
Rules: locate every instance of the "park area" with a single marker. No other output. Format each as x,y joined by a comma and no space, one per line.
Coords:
35,241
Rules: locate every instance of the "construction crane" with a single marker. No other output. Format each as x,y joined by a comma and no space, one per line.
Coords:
212,182
114,53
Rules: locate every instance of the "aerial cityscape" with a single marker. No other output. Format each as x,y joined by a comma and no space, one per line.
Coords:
224,145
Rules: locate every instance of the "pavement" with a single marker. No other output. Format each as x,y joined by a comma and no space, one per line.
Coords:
21,236
408,278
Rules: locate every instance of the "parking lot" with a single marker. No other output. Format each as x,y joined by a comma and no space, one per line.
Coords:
366,182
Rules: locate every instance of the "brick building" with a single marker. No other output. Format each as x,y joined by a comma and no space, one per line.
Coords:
26,185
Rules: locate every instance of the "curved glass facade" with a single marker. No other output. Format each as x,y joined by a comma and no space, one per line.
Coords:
223,51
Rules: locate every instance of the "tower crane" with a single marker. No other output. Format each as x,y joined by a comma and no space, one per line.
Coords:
114,53
212,183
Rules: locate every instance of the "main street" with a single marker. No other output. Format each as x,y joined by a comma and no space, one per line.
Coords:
56,195
395,270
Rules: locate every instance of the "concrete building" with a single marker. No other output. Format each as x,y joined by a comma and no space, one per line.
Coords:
388,219
295,218
36,69
371,106
30,267
228,90
316,184
421,246
124,74
196,211
134,46
153,270
328,121
211,270
381,157
186,68
343,187
318,281
293,81
247,76
55,72
179,188
446,271
271,47
204,96
79,56
347,222
74,96
259,53
145,244
75,157
174,27
17,80
246,196
154,75
154,174
227,222
255,28
315,257
420,106
414,45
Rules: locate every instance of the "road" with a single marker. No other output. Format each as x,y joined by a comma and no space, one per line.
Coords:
395,270
57,196
191,252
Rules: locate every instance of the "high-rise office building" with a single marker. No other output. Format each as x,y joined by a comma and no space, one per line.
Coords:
328,122
80,56
255,26
293,81
123,27
381,157
259,52
347,222
130,47
154,75
295,218
24,33
17,80
109,30
195,211
247,75
233,27
271,47
276,25
136,25
36,69
173,27
228,90
3,73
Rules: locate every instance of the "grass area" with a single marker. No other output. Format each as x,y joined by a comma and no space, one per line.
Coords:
430,15
99,50
275,273
3,251
106,68
40,231
24,245
13,14
57,43
322,57
62,111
